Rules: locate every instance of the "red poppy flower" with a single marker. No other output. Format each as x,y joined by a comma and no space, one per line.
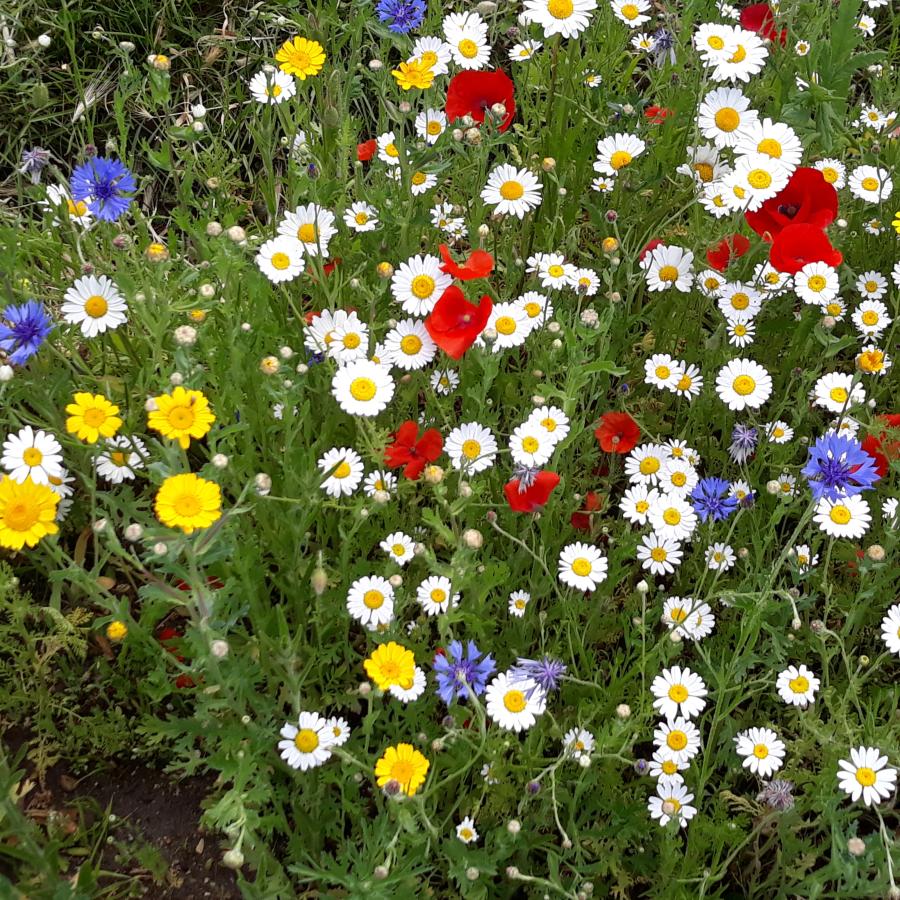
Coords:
582,518
759,17
412,451
168,637
657,114
649,247
366,150
480,264
732,247
534,496
473,93
807,197
617,433
797,245
882,447
454,323
328,268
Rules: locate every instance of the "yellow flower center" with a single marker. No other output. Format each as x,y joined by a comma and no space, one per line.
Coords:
530,444
716,42
422,286
739,55
865,776
77,208
770,147
362,389
727,119
676,740
649,465
306,740
740,300
871,286
373,599
391,150
433,127
511,190
816,283
839,394
32,457
744,385
669,767
759,179
533,309
678,693
834,309
118,457
471,449
428,59
468,48
671,516
306,233
711,284
799,685
466,834
94,416
96,306
684,384
658,554
361,218
839,514
280,261
630,11
343,470
411,344
418,178
514,701
677,614
705,171
829,174
871,361
351,341
760,751
663,372
869,184
870,317
668,273
548,424
397,549
181,418
505,324
642,506
620,159
560,9
582,567
556,271
273,90
438,596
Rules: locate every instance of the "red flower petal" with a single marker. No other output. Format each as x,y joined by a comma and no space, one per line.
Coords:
454,323
732,247
617,433
473,93
480,264
534,497
807,197
797,245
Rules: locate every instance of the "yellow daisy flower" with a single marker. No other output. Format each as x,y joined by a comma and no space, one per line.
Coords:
117,630
92,416
27,512
188,502
181,415
391,664
413,74
896,222
301,57
403,764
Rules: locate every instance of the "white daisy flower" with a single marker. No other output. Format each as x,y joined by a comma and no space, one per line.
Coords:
414,691
399,546
518,603
837,392
362,388
307,744
658,554
342,469
312,226
122,456
631,12
833,171
797,686
272,86
678,692
761,749
512,191
430,124
773,139
361,217
409,345
673,517
635,504
379,481
511,325
32,454
471,448
444,382
723,113
617,152
370,601
643,464
513,702
743,384
95,305
679,737
816,283
434,53
435,595
671,801
848,517
418,283
567,18
667,267
466,832
524,51
578,743
871,285
466,35
280,259
77,211
890,629
552,420
582,566
871,318
720,557
531,446
867,775
871,184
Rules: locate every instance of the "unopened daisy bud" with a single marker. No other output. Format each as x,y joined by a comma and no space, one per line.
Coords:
841,223
198,110
263,483
486,7
99,526
233,858
864,660
473,538
6,373
471,872
584,762
668,808
302,369
364,689
554,327
828,322
198,127
219,649
150,404
213,183
489,335
796,624
185,335
385,270
375,64
512,872
856,846
642,587
473,136
403,106
419,548
875,553
44,40
237,234
381,497
246,326
556,344
465,489
623,710
437,745
773,487
484,230
176,378
207,291
213,229
467,121
590,317
817,626
491,515
269,365
160,548
548,163
364,513
121,241
160,62
396,580
133,532
676,637
117,630
513,826
219,460
434,474
380,873
498,110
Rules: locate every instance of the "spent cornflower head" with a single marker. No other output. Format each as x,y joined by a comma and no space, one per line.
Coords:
839,467
663,46
777,794
526,477
33,161
744,439
106,185
461,669
546,672
23,329
401,16
711,500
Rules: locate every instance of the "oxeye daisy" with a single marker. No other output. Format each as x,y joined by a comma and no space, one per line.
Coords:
709,282
797,686
743,384
617,152
631,12
418,283
603,184
578,743
775,140
530,445
430,124
311,226
466,832
668,267
678,692
471,448
524,51
816,283
661,371
636,502
518,603
762,751
342,469
511,324
567,18
760,176
552,420
370,601
745,54
643,464
846,517
711,41
671,516
871,285
704,164
409,345
769,280
77,211
871,318
723,113
122,457
435,595
414,691
679,737
719,557
663,763
432,52
95,305
512,191
388,152
32,454
553,270
836,308
740,332
514,703
871,184
658,554
676,611
779,432
307,744
890,629
280,259
867,775
804,557
361,217
715,199
582,566
837,392
833,171
466,35
699,623
444,382
399,547
537,307
689,382
362,388
271,87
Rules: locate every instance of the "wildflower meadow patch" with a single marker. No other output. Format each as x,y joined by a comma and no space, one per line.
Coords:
457,443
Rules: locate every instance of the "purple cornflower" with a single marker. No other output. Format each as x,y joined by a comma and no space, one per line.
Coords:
777,794
460,670
743,443
839,467
663,46
546,672
106,185
23,329
711,500
33,162
401,16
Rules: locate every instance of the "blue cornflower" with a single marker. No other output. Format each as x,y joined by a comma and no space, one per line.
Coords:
743,443
23,329
106,184
401,16
839,467
711,499
546,672
460,670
